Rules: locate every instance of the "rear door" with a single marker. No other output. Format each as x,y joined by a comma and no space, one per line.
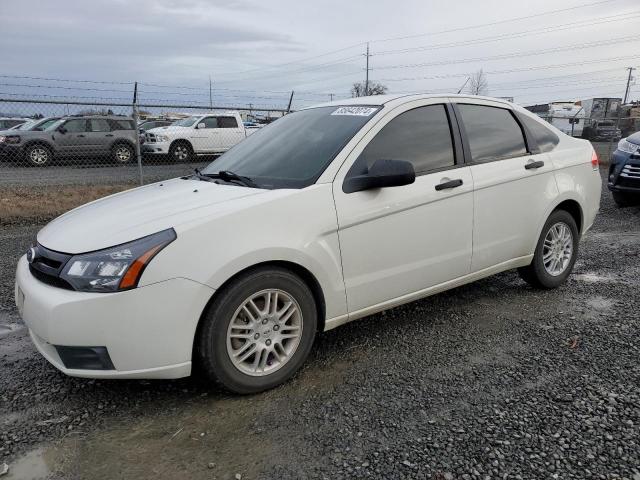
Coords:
231,132
397,241
99,136
513,184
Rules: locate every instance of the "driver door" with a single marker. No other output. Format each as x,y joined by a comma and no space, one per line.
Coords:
206,136
398,241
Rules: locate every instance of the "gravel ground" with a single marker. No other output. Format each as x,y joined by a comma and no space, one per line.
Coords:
493,380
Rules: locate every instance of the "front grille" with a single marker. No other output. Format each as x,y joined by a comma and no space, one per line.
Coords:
150,138
631,171
47,265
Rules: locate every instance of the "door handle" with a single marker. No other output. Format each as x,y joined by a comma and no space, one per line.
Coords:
534,165
449,184
80,136
109,135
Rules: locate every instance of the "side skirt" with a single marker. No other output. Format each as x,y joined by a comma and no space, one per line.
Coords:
426,292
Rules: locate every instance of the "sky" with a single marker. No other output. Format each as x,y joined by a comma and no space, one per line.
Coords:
256,52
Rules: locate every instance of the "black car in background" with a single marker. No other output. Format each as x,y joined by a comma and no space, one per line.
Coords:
76,138
624,171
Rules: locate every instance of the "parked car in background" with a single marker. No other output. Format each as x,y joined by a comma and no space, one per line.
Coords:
328,215
196,135
76,137
601,130
8,122
624,171
36,124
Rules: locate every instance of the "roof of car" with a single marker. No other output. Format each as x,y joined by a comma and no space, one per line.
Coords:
376,100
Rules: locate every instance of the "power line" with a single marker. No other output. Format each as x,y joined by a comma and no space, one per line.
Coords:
612,41
499,22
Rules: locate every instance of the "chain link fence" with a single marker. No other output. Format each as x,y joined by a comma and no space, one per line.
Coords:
49,143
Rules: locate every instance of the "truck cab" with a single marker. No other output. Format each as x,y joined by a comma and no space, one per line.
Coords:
203,134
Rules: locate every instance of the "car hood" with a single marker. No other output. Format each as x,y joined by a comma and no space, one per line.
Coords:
168,130
635,138
142,211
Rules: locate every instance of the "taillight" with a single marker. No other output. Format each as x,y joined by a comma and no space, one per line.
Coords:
594,160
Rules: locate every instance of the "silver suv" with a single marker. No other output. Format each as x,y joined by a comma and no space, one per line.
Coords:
76,137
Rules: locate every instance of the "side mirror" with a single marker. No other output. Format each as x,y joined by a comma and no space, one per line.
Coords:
200,125
62,130
383,173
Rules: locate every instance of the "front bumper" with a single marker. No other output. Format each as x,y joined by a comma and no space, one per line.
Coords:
10,151
155,148
148,332
624,173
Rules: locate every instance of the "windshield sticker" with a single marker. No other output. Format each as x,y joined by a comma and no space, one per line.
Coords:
357,111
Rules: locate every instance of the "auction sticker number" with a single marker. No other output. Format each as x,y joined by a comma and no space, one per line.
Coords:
357,111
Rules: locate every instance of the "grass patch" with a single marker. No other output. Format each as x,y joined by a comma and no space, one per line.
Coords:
40,204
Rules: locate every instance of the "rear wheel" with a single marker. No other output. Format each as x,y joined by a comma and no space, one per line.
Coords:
180,152
258,332
122,153
555,252
38,155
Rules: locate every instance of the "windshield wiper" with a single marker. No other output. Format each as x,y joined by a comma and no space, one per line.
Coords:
229,176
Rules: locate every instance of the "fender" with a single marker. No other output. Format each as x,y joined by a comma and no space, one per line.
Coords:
563,197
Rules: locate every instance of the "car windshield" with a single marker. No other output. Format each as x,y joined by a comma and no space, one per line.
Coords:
44,124
27,125
185,122
293,151
54,125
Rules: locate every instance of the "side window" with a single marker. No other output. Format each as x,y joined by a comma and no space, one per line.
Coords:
545,138
76,126
227,122
209,122
493,133
99,125
421,136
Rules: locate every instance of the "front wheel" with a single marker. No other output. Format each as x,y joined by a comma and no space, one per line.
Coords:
258,332
38,155
122,153
180,152
555,253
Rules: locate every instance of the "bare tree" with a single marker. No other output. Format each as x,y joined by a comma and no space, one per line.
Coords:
478,84
358,89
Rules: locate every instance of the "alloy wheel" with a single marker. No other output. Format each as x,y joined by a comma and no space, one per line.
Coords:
557,249
265,332
38,156
123,154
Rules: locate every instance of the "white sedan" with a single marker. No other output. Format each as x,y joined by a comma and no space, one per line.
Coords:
328,215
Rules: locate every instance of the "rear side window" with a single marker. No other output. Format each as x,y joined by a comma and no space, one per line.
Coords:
227,122
99,125
421,136
544,137
121,124
493,133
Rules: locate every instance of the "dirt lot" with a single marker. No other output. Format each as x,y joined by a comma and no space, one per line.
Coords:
491,380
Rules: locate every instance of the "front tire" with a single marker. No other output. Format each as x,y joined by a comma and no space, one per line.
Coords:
624,199
180,152
555,253
258,331
38,155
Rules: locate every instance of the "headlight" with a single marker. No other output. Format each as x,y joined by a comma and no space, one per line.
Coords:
627,147
162,138
116,268
9,139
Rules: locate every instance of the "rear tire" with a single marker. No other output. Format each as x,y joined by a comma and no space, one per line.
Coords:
555,253
38,155
122,153
180,152
258,331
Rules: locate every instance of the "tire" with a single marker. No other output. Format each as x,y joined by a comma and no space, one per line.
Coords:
122,153
544,276
222,335
623,199
38,155
181,152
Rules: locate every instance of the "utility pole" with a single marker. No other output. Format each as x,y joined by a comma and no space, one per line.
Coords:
626,92
210,94
134,115
290,101
331,97
366,79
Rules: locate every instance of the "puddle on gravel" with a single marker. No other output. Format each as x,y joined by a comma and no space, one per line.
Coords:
31,466
591,277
